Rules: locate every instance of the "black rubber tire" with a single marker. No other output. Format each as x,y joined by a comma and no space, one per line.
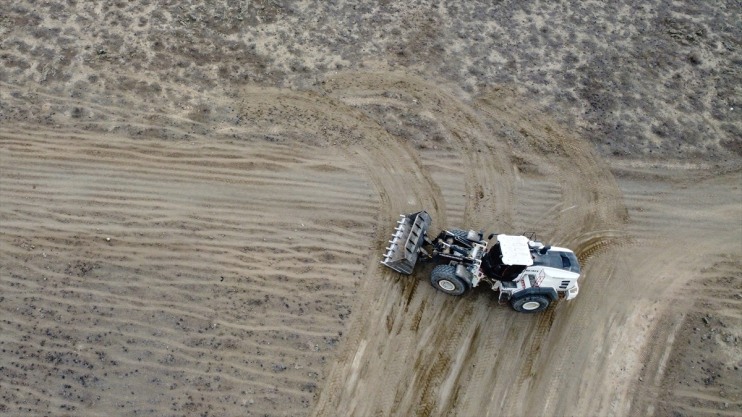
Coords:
530,304
444,278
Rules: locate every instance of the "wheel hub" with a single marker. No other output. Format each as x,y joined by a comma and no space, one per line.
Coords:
531,305
446,285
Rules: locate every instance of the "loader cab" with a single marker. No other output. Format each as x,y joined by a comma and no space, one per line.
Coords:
507,258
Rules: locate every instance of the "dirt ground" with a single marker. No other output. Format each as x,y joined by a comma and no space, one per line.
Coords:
195,197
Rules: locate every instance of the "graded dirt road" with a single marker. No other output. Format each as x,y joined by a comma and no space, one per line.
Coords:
240,274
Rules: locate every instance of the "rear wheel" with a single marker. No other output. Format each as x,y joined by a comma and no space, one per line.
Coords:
444,279
530,304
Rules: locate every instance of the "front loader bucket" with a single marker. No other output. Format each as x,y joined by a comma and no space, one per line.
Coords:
408,237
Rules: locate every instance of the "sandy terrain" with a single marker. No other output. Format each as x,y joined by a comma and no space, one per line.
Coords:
194,199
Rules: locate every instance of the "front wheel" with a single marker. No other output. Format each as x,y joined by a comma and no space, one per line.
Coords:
531,304
444,279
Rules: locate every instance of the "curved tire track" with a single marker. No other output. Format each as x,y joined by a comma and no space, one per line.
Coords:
587,190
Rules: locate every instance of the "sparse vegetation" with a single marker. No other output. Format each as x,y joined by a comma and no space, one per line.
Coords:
653,78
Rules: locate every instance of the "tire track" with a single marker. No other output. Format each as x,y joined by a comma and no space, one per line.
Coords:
177,215
403,186
589,200
416,97
463,130
676,365
428,110
239,260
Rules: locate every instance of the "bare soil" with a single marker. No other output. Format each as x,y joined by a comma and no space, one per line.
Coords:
194,199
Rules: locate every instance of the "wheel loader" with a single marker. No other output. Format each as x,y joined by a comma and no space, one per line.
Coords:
526,273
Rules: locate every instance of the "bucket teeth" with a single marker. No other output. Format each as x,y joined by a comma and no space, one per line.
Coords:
410,234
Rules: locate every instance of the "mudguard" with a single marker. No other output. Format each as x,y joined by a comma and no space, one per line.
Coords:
551,293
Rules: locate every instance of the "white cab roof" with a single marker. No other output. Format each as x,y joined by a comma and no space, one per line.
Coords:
515,250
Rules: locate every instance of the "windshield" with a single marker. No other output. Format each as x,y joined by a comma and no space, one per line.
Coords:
561,260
